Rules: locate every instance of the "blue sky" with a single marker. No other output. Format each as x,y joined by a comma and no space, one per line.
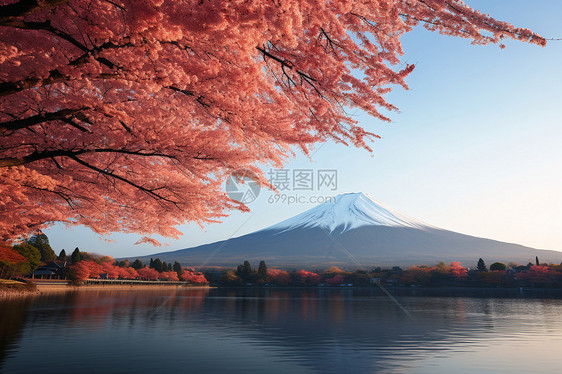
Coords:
476,146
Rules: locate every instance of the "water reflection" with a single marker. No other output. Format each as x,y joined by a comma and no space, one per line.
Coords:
296,331
12,320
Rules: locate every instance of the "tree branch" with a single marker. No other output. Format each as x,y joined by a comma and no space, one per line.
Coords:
22,8
199,98
36,156
149,192
285,63
39,118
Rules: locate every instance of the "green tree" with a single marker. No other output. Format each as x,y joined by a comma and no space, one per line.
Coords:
137,264
85,256
537,260
442,268
62,255
164,266
151,263
41,242
262,271
498,266
75,256
360,278
32,254
229,278
157,265
177,268
246,273
481,266
239,270
122,263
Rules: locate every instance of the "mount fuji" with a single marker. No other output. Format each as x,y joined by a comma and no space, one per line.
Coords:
353,231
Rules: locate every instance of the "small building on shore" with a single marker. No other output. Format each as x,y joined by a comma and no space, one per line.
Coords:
51,270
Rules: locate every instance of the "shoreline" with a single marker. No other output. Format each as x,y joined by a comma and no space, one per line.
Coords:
9,293
55,288
44,288
62,287
425,291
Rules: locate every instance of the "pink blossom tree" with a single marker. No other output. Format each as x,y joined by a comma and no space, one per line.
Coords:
127,115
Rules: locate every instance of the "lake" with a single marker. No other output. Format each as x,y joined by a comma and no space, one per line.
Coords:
277,331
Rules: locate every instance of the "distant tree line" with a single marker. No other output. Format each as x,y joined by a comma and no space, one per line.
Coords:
160,266
108,268
24,258
439,275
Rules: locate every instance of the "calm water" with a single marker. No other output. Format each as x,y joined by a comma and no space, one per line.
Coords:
277,331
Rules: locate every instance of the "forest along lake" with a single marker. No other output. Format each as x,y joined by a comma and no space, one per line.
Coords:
277,331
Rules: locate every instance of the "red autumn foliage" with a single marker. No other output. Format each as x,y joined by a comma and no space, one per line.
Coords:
280,277
111,271
148,273
96,270
124,273
193,277
458,270
308,277
423,274
91,269
133,274
540,275
10,261
169,276
337,279
111,108
81,270
8,255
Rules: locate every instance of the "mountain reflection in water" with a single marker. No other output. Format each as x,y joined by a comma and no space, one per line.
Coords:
276,331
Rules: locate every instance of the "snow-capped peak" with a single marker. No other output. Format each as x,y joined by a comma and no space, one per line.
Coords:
348,211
